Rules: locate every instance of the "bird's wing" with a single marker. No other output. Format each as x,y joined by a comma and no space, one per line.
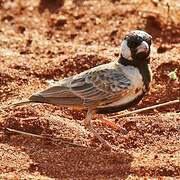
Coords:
90,87
100,85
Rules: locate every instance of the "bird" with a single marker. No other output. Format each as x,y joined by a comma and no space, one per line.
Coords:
106,88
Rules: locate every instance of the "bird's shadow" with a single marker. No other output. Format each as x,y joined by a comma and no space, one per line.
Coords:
59,160
65,161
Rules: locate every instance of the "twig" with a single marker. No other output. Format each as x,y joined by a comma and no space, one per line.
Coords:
43,137
147,108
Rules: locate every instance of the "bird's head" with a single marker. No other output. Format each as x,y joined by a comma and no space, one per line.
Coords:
135,47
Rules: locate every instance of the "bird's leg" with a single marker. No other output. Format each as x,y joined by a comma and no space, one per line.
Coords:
90,127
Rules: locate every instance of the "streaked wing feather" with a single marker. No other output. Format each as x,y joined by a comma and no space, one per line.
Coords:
90,87
58,89
99,85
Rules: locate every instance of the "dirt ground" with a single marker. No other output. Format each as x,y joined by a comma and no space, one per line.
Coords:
44,40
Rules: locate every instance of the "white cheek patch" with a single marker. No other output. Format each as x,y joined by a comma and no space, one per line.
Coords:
125,50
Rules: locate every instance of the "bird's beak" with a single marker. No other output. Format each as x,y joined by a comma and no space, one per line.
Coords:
143,47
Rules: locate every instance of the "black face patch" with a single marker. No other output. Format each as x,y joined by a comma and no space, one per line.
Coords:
134,39
140,56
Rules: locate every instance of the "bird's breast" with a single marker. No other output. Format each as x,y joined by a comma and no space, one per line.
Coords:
131,97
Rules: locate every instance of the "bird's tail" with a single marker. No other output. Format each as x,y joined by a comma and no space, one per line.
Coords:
22,103
36,98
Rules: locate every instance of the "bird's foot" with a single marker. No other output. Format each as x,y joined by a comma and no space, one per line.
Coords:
106,146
